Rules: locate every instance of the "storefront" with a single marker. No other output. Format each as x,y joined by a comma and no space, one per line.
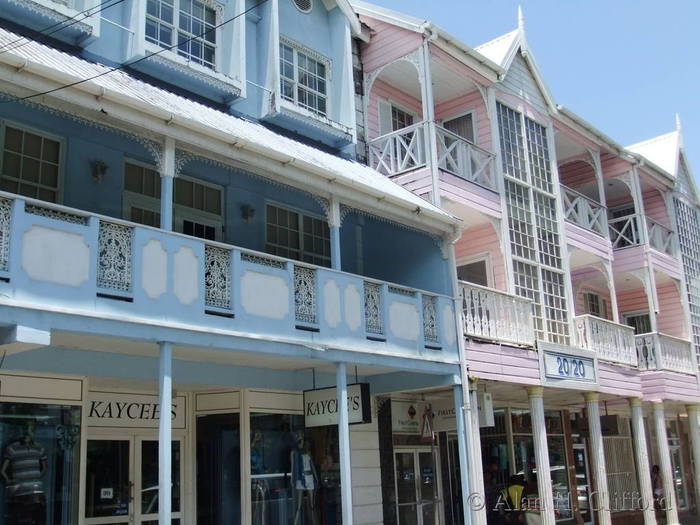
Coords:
250,455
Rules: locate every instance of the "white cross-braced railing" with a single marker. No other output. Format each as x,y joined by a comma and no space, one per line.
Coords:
465,160
625,231
611,341
399,151
497,316
661,238
658,351
583,211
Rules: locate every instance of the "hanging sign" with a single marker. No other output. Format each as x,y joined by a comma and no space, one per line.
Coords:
115,409
321,406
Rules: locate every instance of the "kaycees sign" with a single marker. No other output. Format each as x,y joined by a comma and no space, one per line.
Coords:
114,409
321,406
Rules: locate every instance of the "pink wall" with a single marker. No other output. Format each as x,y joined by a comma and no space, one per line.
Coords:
576,173
619,380
387,43
470,194
604,293
671,319
503,363
588,241
664,385
632,301
613,165
655,207
480,239
470,101
382,90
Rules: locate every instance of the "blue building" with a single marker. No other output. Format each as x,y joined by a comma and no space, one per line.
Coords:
183,230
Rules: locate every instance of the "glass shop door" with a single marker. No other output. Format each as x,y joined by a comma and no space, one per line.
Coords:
417,491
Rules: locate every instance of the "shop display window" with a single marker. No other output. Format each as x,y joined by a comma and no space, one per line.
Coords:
39,474
295,472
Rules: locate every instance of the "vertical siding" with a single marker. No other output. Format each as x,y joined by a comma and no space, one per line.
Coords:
576,173
383,90
366,473
478,240
469,102
671,318
520,83
655,207
387,43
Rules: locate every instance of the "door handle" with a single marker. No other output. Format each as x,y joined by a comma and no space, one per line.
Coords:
131,491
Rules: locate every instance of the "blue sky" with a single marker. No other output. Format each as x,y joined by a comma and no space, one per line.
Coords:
626,66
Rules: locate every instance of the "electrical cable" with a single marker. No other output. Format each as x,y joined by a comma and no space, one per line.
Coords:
127,64
59,25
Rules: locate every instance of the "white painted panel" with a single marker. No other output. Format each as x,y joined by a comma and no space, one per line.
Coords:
353,308
404,320
259,400
56,257
31,387
449,332
367,495
331,303
154,269
218,401
186,275
264,295
367,515
365,458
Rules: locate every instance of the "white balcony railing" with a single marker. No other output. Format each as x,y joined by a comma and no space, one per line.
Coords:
464,159
399,150
625,231
657,351
583,211
661,238
497,316
610,341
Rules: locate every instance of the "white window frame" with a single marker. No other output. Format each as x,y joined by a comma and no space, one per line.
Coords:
301,213
391,105
635,313
602,301
180,212
314,55
479,257
172,51
471,112
36,131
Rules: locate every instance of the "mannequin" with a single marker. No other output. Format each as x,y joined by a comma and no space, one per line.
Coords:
304,481
23,466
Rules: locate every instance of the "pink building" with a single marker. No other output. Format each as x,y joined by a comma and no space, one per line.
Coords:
578,267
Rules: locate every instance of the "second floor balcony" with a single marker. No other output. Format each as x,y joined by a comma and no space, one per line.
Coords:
408,149
583,211
657,351
627,231
61,259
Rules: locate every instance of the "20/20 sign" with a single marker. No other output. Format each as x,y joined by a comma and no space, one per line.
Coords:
570,367
561,366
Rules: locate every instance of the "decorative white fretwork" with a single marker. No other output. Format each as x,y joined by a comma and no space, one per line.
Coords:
56,214
5,222
217,277
262,260
114,257
374,316
305,294
430,322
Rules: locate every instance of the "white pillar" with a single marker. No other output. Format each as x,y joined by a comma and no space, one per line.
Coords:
428,103
665,468
464,459
646,491
334,226
165,381
341,382
601,503
539,437
694,428
477,467
167,176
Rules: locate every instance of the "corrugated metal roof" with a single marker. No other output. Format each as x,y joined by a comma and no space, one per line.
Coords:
351,173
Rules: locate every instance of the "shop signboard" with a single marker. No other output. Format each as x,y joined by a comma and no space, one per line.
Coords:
420,417
123,410
321,406
567,365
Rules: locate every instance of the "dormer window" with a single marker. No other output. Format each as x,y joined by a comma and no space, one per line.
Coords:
303,78
189,25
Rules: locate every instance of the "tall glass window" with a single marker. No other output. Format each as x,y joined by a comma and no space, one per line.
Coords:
303,79
532,221
295,472
688,223
39,474
218,469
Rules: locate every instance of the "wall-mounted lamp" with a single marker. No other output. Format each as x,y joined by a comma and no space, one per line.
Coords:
99,170
247,212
